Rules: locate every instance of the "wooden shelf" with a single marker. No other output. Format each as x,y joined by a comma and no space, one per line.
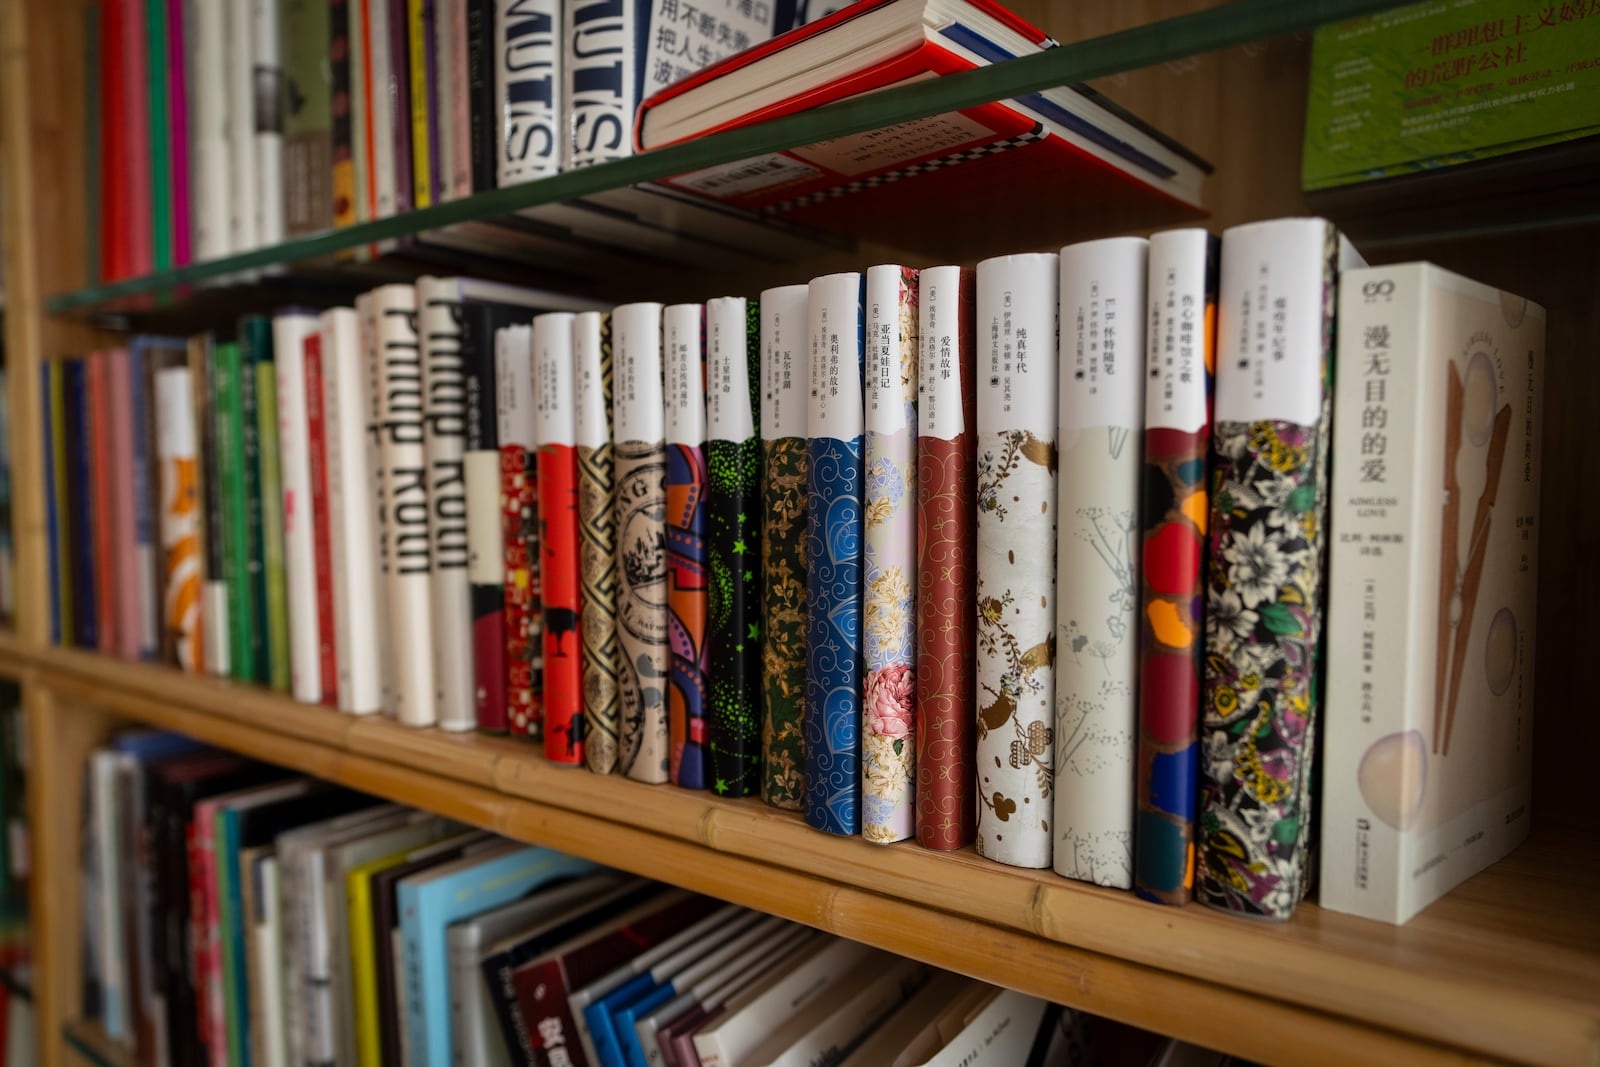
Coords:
1507,967
90,1042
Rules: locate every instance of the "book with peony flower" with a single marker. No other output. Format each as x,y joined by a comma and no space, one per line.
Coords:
946,479
1016,494
835,428
733,545
785,380
888,727
1270,444
1431,623
1101,420
1180,356
683,346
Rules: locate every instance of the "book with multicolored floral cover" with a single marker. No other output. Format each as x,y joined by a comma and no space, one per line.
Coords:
683,354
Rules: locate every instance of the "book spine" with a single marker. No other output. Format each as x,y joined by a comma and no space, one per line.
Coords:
176,64
180,517
419,41
785,378
310,28
214,613
458,93
556,434
246,185
440,317
482,71
360,106
100,522
947,472
256,332
358,621
1016,495
683,347
641,466
1101,420
1180,357
255,534
519,516
434,88
80,504
342,117
399,71
321,521
372,365
528,90
106,147
380,147
486,550
228,420
733,519
129,528
405,480
889,558
146,502
290,333
597,540
211,182
136,112
441,60
835,430
160,114
50,411
603,53
1264,587
499,975
267,97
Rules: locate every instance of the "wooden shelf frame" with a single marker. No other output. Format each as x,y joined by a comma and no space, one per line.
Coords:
1508,967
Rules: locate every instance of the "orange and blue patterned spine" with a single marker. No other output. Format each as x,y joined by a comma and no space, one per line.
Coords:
688,590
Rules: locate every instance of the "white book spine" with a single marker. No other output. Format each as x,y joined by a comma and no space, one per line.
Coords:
683,334
1017,298
785,362
321,1044
241,97
266,106
180,516
269,1034
381,116
1100,471
439,324
529,89
728,413
405,481
554,390
601,78
371,367
731,1038
360,106
210,151
356,579
853,1019
113,952
289,334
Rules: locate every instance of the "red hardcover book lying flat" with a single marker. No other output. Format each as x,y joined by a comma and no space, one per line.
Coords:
1064,145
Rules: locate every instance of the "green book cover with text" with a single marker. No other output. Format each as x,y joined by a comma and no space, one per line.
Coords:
228,414
255,334
1440,83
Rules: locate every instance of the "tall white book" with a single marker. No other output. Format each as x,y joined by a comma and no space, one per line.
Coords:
266,106
406,500
289,333
240,93
1433,577
529,89
210,151
180,517
1016,371
372,366
360,625
1100,472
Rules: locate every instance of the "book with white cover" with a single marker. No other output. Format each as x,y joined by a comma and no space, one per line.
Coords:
110,952
246,186
372,365
210,151
1017,298
1000,1035
180,519
885,1046
842,1015
529,89
1100,474
751,1015
1432,590
356,605
406,506
289,333
381,118
269,1021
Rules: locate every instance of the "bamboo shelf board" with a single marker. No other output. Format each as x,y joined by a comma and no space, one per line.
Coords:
89,1041
1507,967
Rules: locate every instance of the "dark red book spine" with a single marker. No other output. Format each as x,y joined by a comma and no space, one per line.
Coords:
519,503
321,529
558,546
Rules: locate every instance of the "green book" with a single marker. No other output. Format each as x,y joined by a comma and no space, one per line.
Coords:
272,604
160,151
1430,86
228,412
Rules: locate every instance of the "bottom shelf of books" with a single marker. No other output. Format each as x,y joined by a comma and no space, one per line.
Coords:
1507,966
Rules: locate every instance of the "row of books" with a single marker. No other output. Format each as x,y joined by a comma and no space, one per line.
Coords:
224,126
238,914
922,558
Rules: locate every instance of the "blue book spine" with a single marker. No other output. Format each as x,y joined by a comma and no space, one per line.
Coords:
832,727
49,370
427,908
626,1024
599,1017
80,477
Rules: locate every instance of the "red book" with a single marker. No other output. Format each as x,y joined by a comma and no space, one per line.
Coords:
116,238
102,468
136,113
555,402
519,524
321,531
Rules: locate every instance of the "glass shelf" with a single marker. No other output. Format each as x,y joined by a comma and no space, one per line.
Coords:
591,189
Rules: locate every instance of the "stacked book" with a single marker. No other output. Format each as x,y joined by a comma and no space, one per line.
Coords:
972,558
236,913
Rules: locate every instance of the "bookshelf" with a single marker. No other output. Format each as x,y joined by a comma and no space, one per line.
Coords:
1506,969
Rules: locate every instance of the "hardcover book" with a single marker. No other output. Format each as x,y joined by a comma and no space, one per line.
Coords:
290,332
529,90
1264,595
255,352
1433,586
556,436
641,457
889,617
519,516
180,519
1016,495
835,425
248,186
211,184
597,539
309,103
733,522
785,382
321,521
214,612
946,561
1180,360
1101,419
682,344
